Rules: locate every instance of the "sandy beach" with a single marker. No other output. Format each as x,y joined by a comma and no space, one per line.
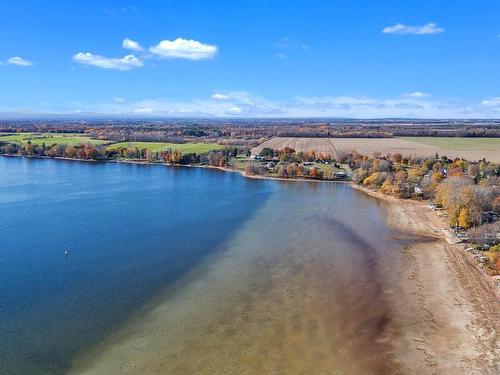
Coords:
450,311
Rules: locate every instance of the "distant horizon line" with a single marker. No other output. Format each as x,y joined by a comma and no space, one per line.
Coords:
6,116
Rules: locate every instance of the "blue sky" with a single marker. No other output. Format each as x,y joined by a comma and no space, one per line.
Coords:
361,59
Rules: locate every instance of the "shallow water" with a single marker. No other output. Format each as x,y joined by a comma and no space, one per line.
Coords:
188,270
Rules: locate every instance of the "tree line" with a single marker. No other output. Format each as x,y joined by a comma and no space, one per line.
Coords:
99,152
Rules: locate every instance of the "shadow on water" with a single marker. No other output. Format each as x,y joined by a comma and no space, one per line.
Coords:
130,231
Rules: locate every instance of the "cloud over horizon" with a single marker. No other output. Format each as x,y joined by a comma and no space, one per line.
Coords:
399,28
127,62
19,61
492,102
416,94
245,104
219,96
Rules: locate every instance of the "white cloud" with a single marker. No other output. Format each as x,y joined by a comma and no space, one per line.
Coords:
244,104
130,8
244,97
283,43
430,28
19,61
184,49
119,100
291,45
235,110
125,63
416,94
143,111
131,45
281,56
218,96
492,102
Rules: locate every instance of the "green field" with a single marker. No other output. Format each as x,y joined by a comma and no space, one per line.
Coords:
323,167
185,148
240,162
77,138
458,144
50,138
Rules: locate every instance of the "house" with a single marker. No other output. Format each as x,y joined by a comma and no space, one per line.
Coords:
489,217
434,206
483,259
340,175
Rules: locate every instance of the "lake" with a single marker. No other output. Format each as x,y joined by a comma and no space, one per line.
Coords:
214,272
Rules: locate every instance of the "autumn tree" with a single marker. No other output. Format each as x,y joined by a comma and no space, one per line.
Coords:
329,173
464,218
397,158
176,156
313,172
359,175
291,170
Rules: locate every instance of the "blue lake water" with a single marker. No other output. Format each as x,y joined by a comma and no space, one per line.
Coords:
128,229
132,231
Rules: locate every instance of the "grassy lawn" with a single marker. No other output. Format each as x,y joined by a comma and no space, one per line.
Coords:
323,167
185,148
50,138
240,162
458,144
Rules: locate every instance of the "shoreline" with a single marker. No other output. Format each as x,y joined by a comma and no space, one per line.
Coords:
452,305
142,162
449,311
436,231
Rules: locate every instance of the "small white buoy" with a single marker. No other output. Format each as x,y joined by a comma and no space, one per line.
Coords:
66,252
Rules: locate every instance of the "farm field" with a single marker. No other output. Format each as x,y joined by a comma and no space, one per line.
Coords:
468,148
185,148
50,138
458,144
